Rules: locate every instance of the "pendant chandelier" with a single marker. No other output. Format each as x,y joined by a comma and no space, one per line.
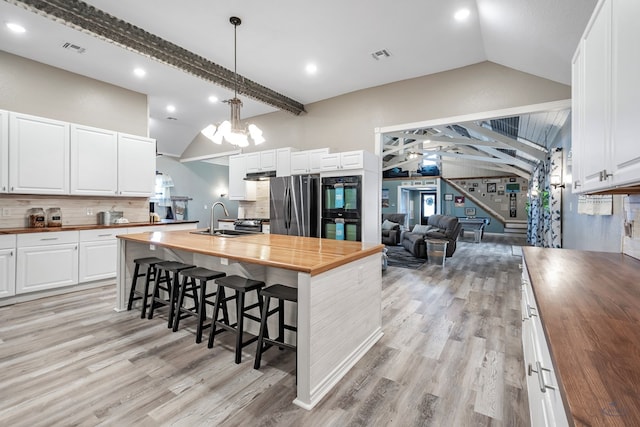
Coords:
233,131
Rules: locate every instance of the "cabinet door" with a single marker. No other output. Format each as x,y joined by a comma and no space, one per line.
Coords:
299,162
97,260
7,272
46,267
283,161
268,160
577,118
4,151
315,159
136,166
351,160
94,161
239,189
626,91
252,162
330,162
38,155
595,135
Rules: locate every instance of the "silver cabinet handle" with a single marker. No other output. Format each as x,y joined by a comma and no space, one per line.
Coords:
576,184
11,253
105,235
529,308
76,247
604,175
49,238
538,370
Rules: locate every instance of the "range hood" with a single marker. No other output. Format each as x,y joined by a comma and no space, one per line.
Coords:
260,176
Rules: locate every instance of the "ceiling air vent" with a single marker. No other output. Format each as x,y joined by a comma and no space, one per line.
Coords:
73,47
381,54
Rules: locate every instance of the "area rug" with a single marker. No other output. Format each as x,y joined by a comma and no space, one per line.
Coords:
398,256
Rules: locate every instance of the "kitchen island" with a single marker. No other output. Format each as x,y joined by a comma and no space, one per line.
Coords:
339,313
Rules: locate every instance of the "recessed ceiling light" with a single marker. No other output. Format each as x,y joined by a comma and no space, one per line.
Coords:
16,28
171,108
213,99
462,14
311,68
139,72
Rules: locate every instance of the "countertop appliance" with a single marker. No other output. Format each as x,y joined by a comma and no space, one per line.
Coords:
249,224
294,205
109,217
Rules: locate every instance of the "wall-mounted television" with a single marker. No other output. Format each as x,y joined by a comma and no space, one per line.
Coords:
512,188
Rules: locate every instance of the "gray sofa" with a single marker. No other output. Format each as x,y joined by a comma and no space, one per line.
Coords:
441,227
391,232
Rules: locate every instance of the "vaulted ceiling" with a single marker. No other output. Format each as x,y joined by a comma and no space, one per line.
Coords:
277,40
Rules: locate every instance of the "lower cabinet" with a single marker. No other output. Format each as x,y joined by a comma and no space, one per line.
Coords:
98,255
7,266
46,261
545,402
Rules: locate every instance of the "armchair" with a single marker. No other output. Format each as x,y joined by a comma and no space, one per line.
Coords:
392,227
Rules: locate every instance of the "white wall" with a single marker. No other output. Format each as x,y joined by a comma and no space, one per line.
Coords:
347,122
34,88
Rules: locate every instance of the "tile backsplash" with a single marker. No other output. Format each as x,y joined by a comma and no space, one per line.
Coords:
259,208
631,236
14,208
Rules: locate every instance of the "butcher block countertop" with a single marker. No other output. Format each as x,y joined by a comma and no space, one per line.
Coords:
589,304
304,254
22,230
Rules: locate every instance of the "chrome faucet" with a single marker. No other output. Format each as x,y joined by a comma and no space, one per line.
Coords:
226,212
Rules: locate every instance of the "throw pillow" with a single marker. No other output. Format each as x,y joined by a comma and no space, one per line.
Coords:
389,225
421,229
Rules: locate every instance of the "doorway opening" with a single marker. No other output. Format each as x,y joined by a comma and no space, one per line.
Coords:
428,205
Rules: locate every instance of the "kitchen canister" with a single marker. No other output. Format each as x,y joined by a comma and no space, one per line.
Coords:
54,217
36,218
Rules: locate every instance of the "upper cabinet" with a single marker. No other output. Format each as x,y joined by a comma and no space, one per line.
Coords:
359,159
4,151
94,161
604,101
308,161
283,161
261,161
239,189
38,155
136,165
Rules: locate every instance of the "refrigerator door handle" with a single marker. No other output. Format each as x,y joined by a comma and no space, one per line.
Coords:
287,208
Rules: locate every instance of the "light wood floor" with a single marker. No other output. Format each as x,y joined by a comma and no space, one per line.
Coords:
451,356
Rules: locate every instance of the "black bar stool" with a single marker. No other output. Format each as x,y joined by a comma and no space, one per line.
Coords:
189,277
150,275
282,293
241,285
171,287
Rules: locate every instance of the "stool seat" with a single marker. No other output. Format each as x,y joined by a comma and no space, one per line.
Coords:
149,275
240,283
281,292
189,277
201,273
167,267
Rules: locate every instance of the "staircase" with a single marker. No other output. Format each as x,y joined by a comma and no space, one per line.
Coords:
515,228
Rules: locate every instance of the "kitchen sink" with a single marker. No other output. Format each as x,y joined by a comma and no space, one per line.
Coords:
221,232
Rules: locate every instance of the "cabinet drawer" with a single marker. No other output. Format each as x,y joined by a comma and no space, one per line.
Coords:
101,234
49,238
8,241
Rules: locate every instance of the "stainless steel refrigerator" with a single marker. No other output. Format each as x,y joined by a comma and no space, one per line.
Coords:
294,205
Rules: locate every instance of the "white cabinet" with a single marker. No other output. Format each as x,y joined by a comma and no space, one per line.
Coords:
266,228
605,95
239,189
136,166
98,254
260,161
283,161
46,261
625,108
4,151
94,161
545,402
38,155
348,160
7,265
308,161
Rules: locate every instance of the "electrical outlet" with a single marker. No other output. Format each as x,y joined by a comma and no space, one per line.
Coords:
89,211
6,211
